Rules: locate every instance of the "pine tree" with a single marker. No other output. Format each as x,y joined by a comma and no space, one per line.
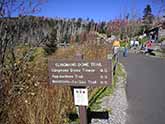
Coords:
102,27
79,22
51,44
148,16
66,38
77,38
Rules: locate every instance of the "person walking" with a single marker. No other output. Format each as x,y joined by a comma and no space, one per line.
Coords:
116,47
125,52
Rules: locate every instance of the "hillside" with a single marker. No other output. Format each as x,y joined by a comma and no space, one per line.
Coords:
31,29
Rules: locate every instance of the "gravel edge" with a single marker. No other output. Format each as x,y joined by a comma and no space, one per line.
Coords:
117,102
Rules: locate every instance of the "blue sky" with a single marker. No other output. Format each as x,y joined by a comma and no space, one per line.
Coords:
99,10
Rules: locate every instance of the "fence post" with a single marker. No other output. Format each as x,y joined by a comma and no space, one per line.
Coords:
116,60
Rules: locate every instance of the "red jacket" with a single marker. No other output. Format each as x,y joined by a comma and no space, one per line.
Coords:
149,44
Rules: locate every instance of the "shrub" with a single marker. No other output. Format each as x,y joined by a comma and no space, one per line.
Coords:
143,40
162,39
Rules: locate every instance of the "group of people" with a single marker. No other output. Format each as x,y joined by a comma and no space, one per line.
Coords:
116,47
147,46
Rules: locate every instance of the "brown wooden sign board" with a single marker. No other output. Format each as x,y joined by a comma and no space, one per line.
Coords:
80,72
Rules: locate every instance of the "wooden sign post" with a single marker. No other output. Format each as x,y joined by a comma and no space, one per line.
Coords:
81,100
82,108
80,73
83,115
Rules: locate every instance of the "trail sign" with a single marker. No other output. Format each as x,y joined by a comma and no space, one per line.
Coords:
80,72
81,96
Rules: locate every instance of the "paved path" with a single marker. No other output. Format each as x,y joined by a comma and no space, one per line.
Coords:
145,89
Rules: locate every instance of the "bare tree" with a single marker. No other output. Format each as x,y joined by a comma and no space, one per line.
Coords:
9,28
9,32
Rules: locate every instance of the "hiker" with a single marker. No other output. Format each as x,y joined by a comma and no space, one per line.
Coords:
148,47
134,43
125,52
131,43
115,47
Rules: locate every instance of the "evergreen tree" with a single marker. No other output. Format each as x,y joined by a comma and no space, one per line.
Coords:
89,26
51,44
77,38
79,22
148,16
66,38
102,27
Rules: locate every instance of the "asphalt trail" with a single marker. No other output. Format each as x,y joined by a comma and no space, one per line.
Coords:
145,89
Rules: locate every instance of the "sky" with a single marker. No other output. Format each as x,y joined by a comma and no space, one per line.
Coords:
99,10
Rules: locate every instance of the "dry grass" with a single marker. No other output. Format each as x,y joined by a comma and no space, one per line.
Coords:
32,100
48,106
38,102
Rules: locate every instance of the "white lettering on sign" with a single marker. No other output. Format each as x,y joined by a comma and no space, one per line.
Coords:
92,82
65,64
88,70
83,64
81,96
59,70
75,70
60,81
79,81
80,72
96,64
79,76
62,76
